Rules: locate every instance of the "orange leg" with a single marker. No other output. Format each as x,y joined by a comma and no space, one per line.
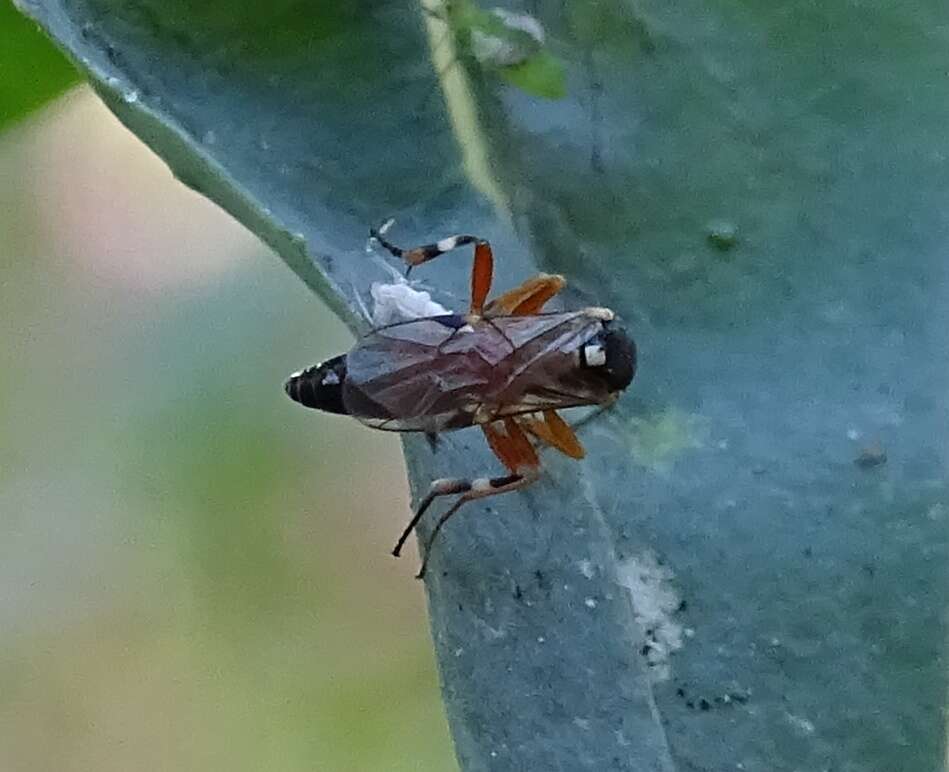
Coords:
481,272
554,431
527,299
511,446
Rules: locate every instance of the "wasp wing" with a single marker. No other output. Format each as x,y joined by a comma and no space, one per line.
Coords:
400,379
547,371
442,373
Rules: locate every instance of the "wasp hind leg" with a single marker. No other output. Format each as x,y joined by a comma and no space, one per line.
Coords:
482,271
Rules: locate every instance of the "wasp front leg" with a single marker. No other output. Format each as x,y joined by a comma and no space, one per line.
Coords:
552,430
482,271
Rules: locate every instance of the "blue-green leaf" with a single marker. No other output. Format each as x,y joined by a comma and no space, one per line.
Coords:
759,190
32,71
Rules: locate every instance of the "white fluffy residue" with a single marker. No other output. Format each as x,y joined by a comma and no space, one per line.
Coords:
655,602
399,302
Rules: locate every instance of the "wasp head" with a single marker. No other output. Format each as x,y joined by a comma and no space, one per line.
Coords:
612,354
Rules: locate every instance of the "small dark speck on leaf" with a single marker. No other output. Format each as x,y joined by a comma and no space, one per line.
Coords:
517,592
808,552
871,456
541,579
683,605
722,235
725,700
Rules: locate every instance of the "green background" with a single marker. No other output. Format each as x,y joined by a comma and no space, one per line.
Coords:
194,574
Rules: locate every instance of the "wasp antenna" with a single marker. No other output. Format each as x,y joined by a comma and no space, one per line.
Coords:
376,233
382,228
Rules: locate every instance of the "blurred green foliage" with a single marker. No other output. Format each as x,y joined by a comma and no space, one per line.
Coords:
510,44
32,71
192,579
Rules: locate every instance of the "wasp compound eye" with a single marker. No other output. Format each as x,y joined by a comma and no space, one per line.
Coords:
320,386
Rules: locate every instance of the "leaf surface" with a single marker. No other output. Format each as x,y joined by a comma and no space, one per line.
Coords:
760,190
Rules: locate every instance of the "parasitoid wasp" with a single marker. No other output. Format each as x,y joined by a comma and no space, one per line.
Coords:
506,366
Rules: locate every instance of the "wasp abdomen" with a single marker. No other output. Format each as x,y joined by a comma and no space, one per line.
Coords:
320,386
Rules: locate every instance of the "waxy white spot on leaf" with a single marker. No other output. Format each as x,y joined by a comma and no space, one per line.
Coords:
655,601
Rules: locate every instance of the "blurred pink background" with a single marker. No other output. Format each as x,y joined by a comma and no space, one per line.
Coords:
194,572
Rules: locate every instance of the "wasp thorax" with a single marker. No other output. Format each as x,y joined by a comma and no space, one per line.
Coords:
320,386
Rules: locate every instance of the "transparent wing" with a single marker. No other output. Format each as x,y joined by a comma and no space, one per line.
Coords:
402,377
441,373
